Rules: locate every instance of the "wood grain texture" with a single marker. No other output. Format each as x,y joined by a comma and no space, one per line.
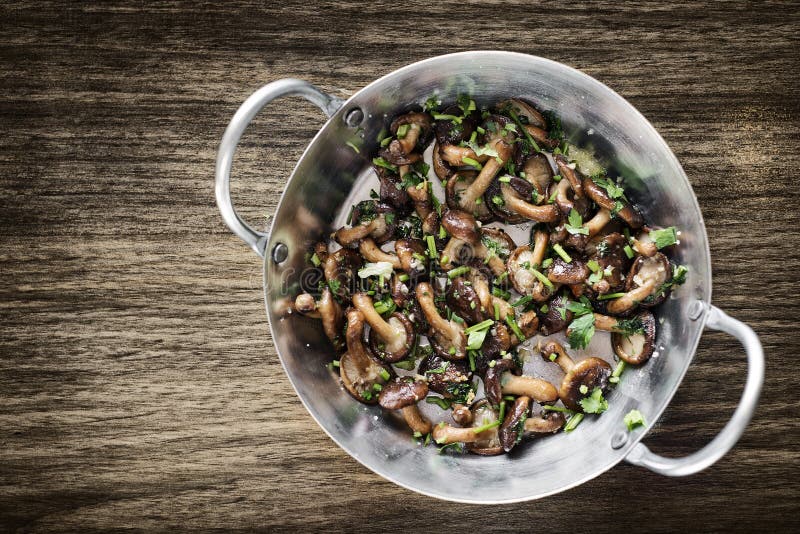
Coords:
138,383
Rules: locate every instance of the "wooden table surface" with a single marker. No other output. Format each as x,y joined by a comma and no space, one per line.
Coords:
139,386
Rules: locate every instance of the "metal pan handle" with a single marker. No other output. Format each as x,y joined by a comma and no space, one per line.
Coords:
287,87
730,434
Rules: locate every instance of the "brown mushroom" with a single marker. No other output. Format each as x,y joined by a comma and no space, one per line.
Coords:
421,196
451,379
499,139
341,271
609,253
509,200
411,253
623,209
447,337
523,274
480,438
539,174
533,121
403,394
561,272
643,244
567,170
391,192
518,423
503,378
643,284
463,230
327,310
373,253
362,375
391,339
415,128
440,167
633,339
585,375
370,219
553,320
464,301
455,188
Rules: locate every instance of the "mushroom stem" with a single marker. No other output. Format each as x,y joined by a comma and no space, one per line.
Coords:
596,223
536,388
444,434
410,140
454,155
394,337
481,183
373,253
415,419
540,425
631,298
306,305
570,174
643,245
345,236
425,298
543,213
451,251
605,323
562,358
504,308
540,241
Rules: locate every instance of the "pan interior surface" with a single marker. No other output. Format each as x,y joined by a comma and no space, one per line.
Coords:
331,174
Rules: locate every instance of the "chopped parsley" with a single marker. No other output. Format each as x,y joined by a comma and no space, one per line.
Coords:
575,224
594,403
581,331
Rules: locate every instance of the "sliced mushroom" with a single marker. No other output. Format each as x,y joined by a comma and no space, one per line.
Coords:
510,202
455,188
391,339
447,337
372,252
362,375
503,378
404,394
620,206
485,443
326,309
646,277
591,373
451,379
401,150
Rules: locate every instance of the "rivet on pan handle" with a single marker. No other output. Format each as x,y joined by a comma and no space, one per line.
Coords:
287,87
730,434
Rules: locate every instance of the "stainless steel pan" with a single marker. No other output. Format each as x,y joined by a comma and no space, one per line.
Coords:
329,172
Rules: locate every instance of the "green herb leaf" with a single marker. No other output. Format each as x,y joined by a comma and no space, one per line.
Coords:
581,331
665,237
595,403
575,224
380,162
633,419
